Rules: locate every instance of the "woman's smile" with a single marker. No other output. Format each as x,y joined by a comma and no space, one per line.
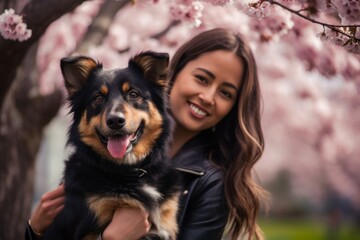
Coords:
197,112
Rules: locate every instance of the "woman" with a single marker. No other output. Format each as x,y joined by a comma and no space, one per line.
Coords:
215,101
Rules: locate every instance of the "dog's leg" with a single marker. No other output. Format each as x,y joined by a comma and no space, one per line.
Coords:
167,228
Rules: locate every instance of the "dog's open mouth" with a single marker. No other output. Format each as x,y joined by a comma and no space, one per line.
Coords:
118,144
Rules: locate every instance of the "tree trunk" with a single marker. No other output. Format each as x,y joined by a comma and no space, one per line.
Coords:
23,118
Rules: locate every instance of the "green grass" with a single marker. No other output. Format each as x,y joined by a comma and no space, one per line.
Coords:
306,230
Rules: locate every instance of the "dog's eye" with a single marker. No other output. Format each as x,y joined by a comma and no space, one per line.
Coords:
98,99
133,94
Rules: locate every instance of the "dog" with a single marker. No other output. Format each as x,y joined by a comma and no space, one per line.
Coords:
119,133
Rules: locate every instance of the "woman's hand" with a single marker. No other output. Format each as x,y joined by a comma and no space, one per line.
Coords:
51,203
127,223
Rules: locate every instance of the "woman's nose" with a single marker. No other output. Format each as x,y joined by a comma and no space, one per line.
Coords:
207,97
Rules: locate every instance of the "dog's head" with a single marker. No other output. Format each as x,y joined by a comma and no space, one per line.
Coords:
119,113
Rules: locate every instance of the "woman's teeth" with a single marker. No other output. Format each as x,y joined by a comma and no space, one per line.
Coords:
197,110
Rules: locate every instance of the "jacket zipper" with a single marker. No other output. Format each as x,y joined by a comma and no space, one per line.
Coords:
190,171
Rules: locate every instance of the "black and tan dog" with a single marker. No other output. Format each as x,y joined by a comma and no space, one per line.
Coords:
120,133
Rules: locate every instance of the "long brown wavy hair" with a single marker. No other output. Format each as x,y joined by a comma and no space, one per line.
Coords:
239,136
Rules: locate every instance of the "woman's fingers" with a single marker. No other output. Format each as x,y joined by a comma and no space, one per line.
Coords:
56,193
58,210
51,203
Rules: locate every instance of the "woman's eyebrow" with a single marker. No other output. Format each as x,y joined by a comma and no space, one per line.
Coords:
230,85
210,74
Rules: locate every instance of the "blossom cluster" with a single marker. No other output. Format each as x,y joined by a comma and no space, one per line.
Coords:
187,11
191,11
277,21
258,10
12,26
277,24
341,40
348,11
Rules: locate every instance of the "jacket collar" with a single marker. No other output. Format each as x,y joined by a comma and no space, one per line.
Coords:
192,158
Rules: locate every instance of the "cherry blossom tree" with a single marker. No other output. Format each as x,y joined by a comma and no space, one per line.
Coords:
308,58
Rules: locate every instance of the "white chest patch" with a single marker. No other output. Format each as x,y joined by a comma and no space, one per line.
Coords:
149,190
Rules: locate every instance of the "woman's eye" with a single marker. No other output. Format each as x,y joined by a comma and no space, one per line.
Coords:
201,78
226,94
98,99
133,94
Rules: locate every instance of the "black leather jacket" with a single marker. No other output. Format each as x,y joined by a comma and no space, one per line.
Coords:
203,211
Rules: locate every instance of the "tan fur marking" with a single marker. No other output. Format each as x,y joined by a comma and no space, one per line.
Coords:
133,118
104,207
125,87
163,83
89,136
168,212
104,90
86,66
76,74
151,133
146,62
83,126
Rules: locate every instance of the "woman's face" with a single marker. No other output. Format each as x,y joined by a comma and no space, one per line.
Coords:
205,90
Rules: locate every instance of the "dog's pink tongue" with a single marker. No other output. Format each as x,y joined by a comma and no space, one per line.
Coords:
117,146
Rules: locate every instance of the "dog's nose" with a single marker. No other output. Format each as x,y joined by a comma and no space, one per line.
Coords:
115,122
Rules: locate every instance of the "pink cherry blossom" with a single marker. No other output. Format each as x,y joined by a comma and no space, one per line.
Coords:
276,24
340,40
12,26
348,10
258,10
188,11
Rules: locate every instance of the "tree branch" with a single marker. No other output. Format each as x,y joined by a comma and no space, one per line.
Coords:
333,27
167,29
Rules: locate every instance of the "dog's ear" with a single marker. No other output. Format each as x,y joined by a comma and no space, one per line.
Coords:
75,71
154,66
